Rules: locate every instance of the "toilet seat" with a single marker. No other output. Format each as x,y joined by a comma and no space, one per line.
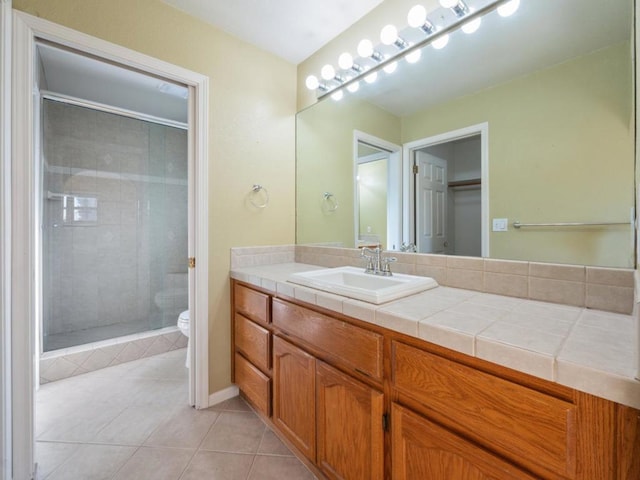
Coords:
184,326
184,323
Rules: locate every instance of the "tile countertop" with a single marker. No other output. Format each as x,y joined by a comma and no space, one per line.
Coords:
589,350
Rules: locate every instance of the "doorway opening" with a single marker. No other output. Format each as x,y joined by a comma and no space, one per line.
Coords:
28,33
377,174
448,192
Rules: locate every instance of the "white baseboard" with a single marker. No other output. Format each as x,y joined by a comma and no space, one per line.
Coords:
222,395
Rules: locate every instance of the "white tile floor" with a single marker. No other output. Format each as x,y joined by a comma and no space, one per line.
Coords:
131,421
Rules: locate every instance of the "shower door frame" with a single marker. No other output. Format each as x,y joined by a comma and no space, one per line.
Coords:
5,244
27,30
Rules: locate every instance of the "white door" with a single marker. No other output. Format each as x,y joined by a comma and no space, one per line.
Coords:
431,204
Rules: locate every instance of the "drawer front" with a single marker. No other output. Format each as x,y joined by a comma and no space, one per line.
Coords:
254,384
253,341
252,304
421,449
533,428
357,348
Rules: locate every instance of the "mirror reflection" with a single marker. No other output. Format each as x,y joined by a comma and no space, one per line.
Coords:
529,120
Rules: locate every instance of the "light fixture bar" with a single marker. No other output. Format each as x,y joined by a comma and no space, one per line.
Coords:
461,9
417,46
428,28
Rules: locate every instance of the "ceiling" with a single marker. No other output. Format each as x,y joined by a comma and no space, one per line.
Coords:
74,75
291,29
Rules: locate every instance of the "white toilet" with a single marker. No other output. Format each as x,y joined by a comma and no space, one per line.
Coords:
184,326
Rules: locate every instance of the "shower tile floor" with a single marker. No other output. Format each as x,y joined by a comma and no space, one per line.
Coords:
131,421
57,341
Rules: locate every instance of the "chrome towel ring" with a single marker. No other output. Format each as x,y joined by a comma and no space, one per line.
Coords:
330,202
255,192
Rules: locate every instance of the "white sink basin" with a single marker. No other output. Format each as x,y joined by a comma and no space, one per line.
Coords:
352,282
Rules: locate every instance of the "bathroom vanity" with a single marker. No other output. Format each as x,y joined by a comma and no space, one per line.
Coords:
357,399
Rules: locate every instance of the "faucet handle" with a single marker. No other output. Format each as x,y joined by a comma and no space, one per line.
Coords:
363,254
386,269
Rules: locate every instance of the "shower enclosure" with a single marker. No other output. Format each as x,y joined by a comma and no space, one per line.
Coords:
114,225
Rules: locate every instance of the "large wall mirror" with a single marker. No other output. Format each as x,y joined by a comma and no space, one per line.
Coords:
530,119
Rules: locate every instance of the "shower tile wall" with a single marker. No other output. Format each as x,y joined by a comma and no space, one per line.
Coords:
115,225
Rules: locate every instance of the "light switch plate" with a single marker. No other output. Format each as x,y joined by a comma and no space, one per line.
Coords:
500,224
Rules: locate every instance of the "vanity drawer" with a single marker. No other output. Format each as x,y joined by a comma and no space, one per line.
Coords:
253,341
355,347
255,385
252,304
518,422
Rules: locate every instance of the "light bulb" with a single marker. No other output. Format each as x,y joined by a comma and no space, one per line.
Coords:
328,72
353,87
371,77
337,96
441,42
448,3
509,8
472,26
312,82
365,48
417,16
414,56
345,61
388,35
391,67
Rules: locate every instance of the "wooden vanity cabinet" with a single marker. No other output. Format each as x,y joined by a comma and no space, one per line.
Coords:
251,341
294,395
327,414
350,432
529,426
451,416
421,450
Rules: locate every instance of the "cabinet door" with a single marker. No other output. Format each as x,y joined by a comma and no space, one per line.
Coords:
422,450
349,426
294,395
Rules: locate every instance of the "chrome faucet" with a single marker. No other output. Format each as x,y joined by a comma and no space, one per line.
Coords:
377,264
408,247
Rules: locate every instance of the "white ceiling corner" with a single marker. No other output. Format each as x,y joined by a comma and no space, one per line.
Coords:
290,29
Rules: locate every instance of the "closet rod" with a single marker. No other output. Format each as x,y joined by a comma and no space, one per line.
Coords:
465,183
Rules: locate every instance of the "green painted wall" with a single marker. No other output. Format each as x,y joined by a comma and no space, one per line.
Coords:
561,149
325,164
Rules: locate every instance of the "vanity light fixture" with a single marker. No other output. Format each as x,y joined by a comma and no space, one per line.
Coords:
440,43
313,83
417,18
414,56
365,50
370,78
509,8
472,25
391,67
345,62
468,20
458,6
328,72
389,36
